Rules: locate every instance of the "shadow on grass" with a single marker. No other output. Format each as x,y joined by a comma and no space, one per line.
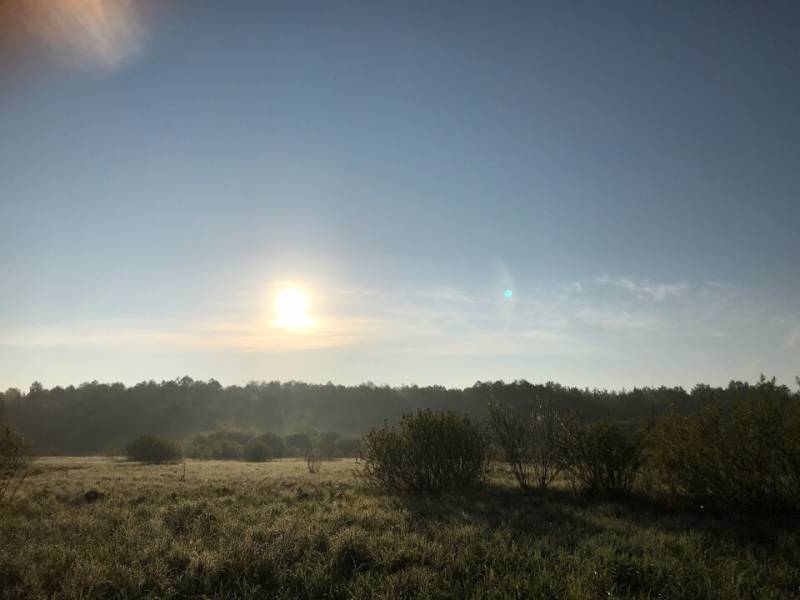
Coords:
562,512
490,506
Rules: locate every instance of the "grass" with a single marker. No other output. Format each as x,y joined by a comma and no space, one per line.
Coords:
269,530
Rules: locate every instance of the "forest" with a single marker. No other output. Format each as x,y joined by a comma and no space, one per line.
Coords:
101,418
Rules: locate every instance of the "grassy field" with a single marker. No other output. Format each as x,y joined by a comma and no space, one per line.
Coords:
232,529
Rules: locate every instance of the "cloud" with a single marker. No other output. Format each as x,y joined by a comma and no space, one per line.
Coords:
646,289
89,334
243,335
615,318
440,321
573,287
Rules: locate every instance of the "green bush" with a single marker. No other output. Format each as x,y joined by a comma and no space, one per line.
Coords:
274,442
742,456
602,458
530,442
324,445
298,444
15,458
348,446
224,444
428,452
153,449
236,444
257,452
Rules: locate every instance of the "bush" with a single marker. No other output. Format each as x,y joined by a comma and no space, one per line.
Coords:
15,458
530,443
428,452
274,442
224,444
153,449
257,452
313,461
298,444
348,446
601,458
745,456
324,445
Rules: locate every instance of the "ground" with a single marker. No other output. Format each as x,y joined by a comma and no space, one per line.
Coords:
232,529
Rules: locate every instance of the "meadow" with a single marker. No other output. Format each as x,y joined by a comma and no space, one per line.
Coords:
223,529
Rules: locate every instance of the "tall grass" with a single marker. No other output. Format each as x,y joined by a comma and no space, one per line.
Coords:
271,530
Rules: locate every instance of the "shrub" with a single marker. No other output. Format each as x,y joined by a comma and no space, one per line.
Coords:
15,458
257,452
744,456
153,449
228,450
531,443
274,442
348,446
428,452
298,444
236,444
324,445
313,461
601,458
224,444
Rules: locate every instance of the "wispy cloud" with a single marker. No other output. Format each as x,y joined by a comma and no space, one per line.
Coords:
617,319
646,289
572,319
223,334
573,287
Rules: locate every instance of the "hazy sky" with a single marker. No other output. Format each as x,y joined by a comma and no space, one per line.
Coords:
631,170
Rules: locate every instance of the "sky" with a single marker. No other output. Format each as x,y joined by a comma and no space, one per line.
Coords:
599,194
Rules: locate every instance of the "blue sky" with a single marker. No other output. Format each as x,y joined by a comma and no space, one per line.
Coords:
629,170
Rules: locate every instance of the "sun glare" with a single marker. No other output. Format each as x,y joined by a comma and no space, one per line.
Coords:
291,305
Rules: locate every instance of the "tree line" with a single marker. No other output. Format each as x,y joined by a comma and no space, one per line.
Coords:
101,418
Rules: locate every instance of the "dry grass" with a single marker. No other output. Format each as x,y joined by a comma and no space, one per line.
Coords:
234,529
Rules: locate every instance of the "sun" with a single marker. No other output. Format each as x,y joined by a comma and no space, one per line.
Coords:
291,305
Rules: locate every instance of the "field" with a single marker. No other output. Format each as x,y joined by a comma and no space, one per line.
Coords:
233,529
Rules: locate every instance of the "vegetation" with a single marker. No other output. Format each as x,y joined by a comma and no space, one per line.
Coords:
744,456
97,418
348,446
153,449
313,461
15,459
237,444
531,442
225,444
275,531
428,452
298,444
602,458
702,501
